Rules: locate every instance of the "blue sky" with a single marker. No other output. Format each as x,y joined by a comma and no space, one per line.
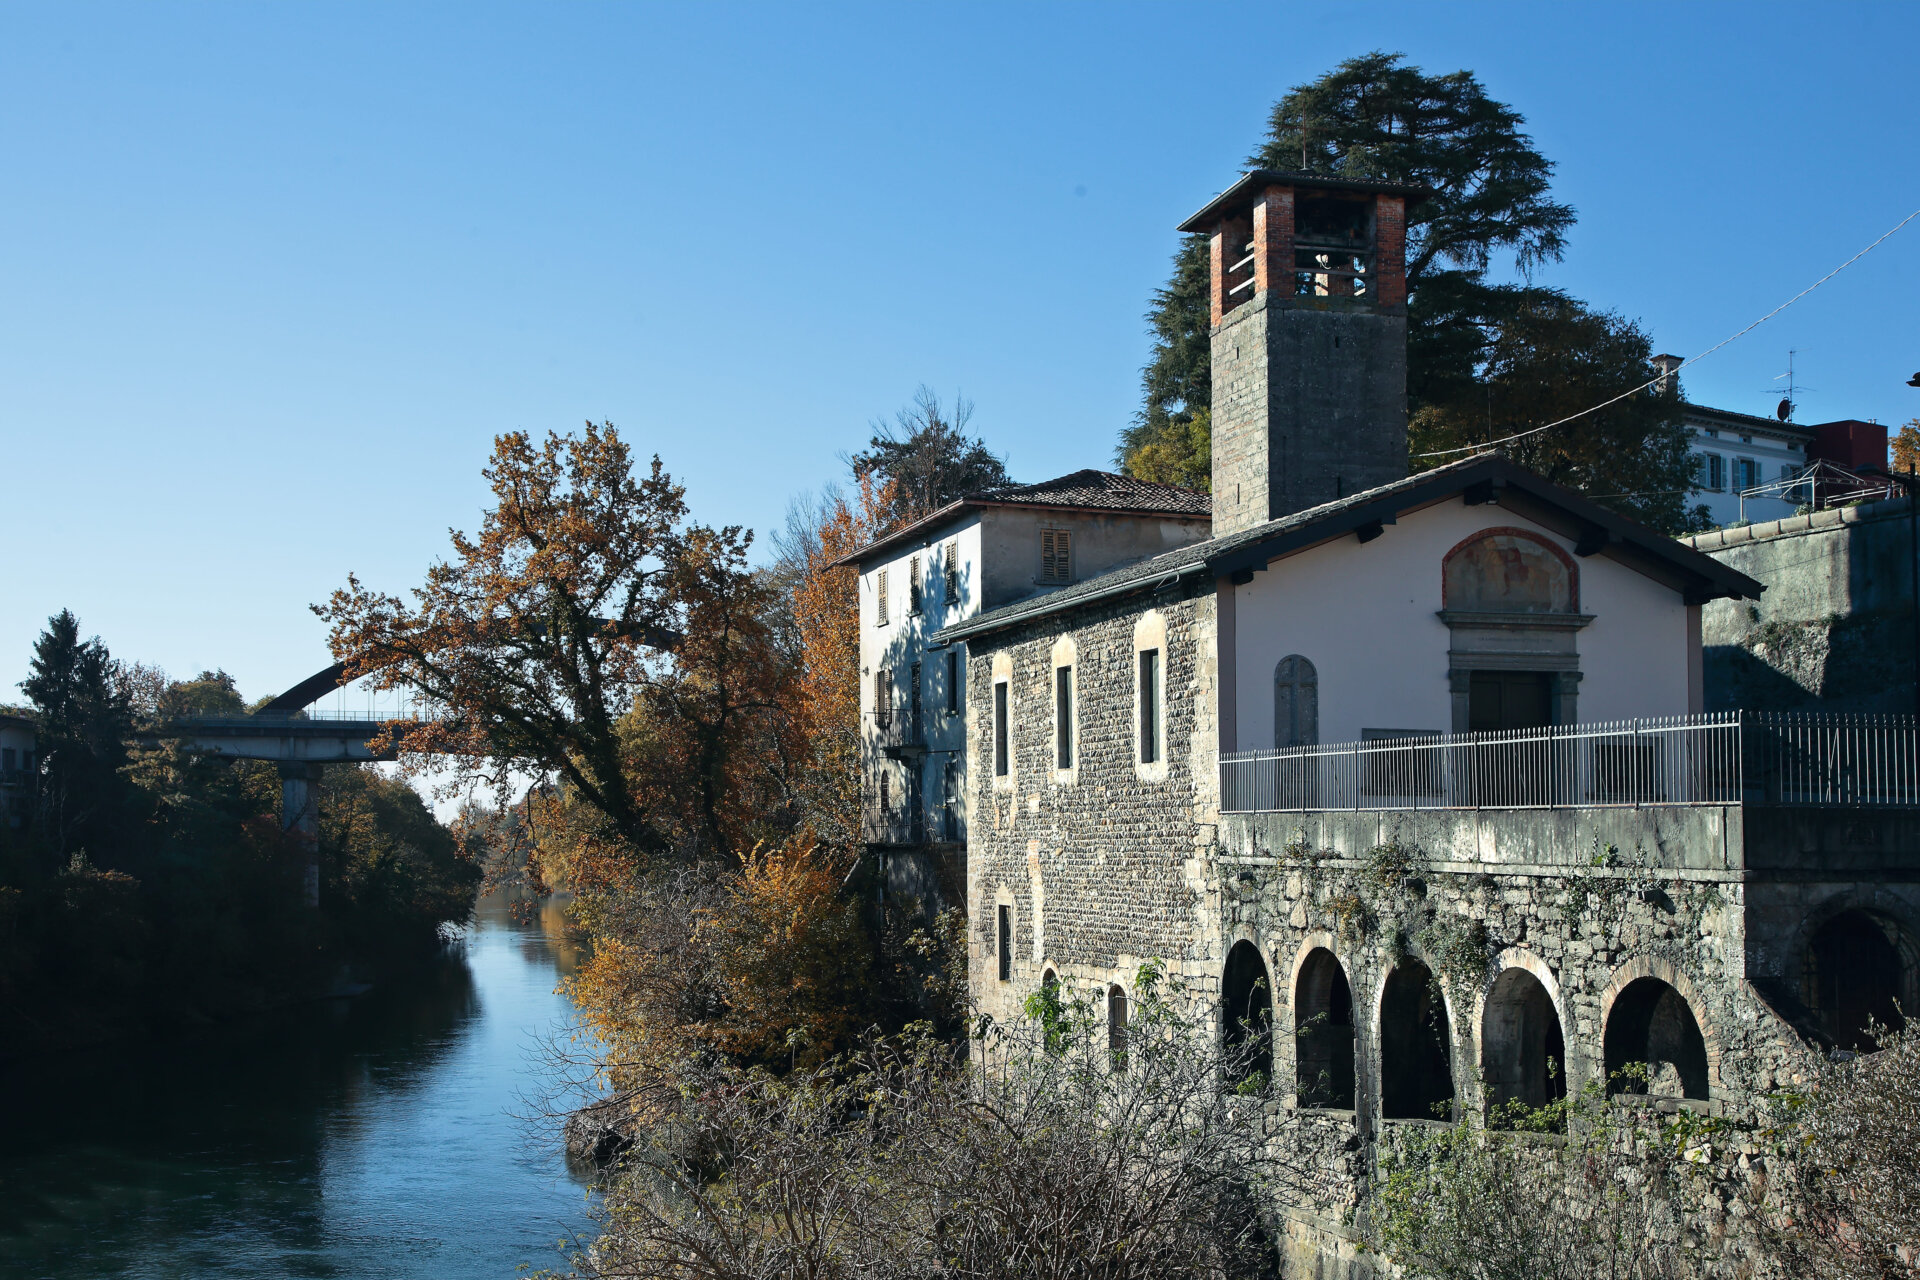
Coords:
272,276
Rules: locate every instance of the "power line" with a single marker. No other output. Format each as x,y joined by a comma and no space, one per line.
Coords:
1531,431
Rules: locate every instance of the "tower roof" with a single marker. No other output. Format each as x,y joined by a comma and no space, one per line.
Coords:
1252,183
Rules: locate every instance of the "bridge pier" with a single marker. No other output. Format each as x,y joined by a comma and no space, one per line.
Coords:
300,817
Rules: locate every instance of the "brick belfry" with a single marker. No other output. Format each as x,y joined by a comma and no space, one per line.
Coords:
1309,302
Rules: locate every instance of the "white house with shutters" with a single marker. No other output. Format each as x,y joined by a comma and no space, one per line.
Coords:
980,552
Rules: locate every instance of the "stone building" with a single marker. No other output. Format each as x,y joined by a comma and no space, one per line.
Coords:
17,739
1412,776
980,552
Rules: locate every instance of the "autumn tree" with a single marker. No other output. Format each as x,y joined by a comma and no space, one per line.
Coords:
592,634
1904,449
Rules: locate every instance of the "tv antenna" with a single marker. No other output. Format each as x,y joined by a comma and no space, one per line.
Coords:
1784,410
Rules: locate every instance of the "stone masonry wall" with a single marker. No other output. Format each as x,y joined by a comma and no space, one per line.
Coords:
1100,863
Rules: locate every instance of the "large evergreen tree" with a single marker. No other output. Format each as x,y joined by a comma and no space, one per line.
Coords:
83,717
928,457
1377,117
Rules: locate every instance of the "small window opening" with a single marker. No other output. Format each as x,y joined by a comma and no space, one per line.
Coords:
882,698
913,584
1416,1060
1000,729
1858,976
1246,1011
1149,691
1323,1033
1333,247
1063,717
954,670
1117,1028
950,800
886,793
1651,1024
1005,940
1524,1053
913,704
1056,555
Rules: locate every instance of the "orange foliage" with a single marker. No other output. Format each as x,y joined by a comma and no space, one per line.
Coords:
826,609
763,965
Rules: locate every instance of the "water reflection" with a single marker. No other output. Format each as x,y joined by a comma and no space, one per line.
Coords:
371,1137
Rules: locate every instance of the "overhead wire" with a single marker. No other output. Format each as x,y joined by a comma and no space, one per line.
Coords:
1534,431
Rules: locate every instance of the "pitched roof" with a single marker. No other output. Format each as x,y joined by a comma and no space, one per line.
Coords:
1103,490
1087,490
1482,478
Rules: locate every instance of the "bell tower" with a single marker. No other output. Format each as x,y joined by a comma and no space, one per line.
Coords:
1309,301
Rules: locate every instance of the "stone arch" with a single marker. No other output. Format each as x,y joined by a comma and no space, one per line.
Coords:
1523,1043
1415,1033
1651,1023
1323,1029
1296,702
1506,569
1859,967
1670,975
1246,1008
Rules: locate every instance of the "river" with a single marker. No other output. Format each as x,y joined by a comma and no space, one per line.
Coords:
380,1136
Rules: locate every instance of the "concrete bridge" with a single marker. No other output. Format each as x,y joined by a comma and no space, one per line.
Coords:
299,743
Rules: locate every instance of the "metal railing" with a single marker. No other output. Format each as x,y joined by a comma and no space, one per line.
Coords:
1726,758
900,729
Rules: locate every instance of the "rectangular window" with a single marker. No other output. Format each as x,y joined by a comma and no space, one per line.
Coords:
880,600
954,670
1149,705
1746,473
882,698
1063,718
1056,555
1000,730
953,572
913,703
1713,472
913,584
1005,941
886,793
6,759
950,799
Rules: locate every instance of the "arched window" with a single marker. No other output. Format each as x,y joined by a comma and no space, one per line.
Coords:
1246,1010
1323,1033
1416,1057
1651,1023
1296,703
1857,973
1523,1052
1117,1027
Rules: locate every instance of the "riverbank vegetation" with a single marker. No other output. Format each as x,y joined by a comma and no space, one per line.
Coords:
143,885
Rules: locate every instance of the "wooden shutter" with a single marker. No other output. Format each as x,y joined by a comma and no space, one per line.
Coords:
953,571
913,584
1056,555
881,592
882,698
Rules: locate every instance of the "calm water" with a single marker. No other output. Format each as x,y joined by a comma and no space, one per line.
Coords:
379,1136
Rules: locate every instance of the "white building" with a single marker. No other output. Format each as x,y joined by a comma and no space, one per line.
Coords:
1735,451
980,552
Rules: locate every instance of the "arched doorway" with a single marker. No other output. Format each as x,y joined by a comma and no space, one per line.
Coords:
1246,1011
1323,1033
1857,972
1652,1023
1416,1058
1522,1049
